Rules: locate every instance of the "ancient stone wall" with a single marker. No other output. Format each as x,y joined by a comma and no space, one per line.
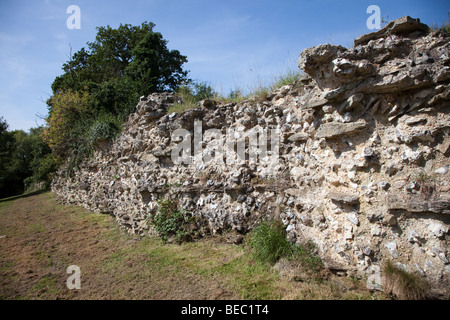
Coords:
360,167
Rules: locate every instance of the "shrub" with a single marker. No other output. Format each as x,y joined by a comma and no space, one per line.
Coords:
68,111
191,94
235,96
403,284
172,221
106,127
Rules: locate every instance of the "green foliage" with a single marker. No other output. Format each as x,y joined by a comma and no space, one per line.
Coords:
269,244
123,63
192,93
261,91
155,67
202,90
105,127
101,86
172,221
235,96
24,160
68,112
268,239
288,78
446,27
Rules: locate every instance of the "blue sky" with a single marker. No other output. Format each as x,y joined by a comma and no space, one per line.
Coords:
231,44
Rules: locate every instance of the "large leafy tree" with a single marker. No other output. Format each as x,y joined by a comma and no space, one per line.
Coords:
102,83
132,57
155,67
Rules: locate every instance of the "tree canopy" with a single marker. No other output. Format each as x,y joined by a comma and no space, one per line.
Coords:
129,52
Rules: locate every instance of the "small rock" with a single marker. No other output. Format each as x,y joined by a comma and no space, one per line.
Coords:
413,236
391,220
242,198
335,129
437,229
301,136
327,109
392,247
442,170
353,218
367,251
344,198
290,227
374,281
368,152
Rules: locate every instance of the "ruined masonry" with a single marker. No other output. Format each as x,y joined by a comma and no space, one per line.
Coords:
363,167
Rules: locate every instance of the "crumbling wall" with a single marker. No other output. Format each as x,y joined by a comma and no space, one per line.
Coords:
360,166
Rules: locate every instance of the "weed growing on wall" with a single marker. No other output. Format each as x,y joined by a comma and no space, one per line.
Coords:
172,222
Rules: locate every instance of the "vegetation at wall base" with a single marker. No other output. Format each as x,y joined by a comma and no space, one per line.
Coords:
269,244
172,222
402,284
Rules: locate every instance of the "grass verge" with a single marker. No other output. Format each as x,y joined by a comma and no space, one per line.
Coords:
117,265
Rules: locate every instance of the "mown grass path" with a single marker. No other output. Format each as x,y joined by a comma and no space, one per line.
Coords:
39,239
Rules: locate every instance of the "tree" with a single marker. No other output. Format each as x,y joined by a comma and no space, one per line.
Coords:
69,113
135,53
6,147
43,163
155,67
25,159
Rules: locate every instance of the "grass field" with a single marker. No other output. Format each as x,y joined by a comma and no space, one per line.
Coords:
40,238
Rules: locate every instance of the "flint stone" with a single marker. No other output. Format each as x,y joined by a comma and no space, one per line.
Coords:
374,282
344,198
154,115
298,137
392,247
414,204
336,129
442,170
353,218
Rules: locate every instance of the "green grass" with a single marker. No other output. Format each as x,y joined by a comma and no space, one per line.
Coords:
117,265
191,96
269,244
268,240
251,279
288,78
46,286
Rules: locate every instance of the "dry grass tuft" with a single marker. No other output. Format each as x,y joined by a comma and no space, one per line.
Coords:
402,284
